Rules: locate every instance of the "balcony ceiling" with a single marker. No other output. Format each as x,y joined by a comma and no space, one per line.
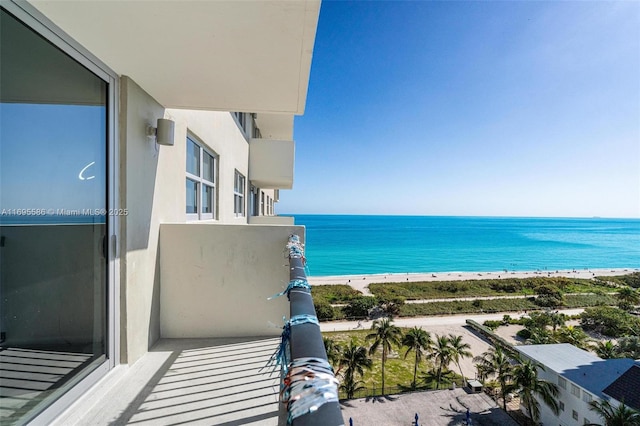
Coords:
250,56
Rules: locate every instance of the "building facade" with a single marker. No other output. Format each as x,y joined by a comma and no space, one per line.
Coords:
143,146
581,377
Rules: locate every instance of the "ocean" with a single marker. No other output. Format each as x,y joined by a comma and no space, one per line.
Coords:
349,245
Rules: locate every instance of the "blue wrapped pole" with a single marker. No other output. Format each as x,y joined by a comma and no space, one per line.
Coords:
306,342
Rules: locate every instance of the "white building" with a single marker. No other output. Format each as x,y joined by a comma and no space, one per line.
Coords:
581,377
112,240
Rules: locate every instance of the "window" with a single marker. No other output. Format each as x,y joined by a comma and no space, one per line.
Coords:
574,414
241,118
238,194
201,181
562,382
575,390
261,203
561,405
254,201
586,397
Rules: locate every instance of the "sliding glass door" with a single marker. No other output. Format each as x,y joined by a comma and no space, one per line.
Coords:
54,227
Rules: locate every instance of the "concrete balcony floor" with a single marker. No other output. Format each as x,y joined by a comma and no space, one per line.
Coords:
196,382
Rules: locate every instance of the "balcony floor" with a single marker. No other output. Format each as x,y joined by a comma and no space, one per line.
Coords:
197,382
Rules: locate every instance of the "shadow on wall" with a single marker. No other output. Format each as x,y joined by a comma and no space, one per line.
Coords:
140,153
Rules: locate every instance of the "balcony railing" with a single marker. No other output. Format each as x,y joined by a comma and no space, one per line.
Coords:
310,389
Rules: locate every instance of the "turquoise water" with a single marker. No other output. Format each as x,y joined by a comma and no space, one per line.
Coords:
344,245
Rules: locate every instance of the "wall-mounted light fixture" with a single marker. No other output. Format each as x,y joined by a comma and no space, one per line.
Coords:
163,132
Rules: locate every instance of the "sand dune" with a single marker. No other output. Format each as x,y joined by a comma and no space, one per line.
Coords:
361,282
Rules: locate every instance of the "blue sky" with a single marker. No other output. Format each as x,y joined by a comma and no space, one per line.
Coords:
471,108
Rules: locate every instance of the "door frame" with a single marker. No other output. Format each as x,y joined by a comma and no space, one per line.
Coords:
40,24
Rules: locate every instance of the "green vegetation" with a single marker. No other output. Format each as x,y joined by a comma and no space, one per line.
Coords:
334,294
485,287
496,362
610,321
390,297
385,336
411,362
514,374
525,379
588,300
615,416
419,342
466,306
631,280
627,347
355,360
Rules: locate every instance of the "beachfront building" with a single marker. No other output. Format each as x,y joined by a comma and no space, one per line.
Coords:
143,146
581,377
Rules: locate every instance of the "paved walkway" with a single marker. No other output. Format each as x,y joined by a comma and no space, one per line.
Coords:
434,408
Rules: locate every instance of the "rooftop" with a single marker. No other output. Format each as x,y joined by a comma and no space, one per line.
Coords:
579,366
619,388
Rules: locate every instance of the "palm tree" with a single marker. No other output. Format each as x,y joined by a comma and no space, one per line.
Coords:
385,335
416,340
354,358
627,297
459,349
540,336
528,385
629,347
333,351
606,350
442,355
496,362
557,320
618,416
572,335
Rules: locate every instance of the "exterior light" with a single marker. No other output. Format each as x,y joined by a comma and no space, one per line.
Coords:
163,132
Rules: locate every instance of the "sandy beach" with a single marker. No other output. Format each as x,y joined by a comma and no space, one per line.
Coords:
361,282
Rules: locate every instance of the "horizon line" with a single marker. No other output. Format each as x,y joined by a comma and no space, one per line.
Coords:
454,215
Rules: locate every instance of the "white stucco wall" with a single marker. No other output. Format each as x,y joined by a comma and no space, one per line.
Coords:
145,188
571,403
271,163
218,132
153,191
216,279
271,220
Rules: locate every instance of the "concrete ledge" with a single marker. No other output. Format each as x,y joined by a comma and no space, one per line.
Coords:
271,220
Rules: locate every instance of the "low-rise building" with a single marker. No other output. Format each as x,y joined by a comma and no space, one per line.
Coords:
581,377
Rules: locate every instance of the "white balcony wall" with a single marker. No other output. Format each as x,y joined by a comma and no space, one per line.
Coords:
271,220
216,279
271,163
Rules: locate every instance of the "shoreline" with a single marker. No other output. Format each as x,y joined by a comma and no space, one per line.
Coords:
361,281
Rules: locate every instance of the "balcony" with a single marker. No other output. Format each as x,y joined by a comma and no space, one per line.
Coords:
271,163
218,335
